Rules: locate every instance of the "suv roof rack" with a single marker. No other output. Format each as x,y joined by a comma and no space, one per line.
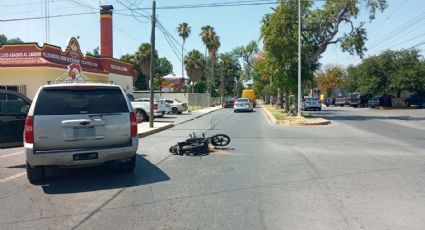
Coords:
77,81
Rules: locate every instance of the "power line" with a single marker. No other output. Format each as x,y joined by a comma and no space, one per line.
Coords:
173,48
411,39
389,16
172,37
398,31
173,7
132,12
77,3
422,43
20,4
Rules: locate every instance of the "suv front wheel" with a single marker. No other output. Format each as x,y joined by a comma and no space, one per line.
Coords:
35,173
128,166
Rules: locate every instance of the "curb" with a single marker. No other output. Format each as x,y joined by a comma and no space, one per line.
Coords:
269,116
153,131
273,120
310,124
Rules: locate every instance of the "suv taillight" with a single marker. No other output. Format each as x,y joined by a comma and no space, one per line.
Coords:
29,130
133,124
155,106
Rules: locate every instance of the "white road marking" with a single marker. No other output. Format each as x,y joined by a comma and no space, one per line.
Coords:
11,154
12,177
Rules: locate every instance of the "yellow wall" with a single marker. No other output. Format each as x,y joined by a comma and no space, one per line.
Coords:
34,77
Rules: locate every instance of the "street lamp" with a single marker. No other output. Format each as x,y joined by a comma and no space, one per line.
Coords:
299,58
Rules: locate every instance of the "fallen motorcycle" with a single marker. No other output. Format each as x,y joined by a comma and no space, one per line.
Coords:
199,145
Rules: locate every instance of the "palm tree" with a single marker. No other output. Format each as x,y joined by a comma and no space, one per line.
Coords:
212,53
212,43
184,31
195,65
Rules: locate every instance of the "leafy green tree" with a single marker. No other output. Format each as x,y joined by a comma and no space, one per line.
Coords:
320,28
331,77
4,40
247,54
94,53
197,87
184,31
163,67
351,80
141,62
389,72
230,72
14,41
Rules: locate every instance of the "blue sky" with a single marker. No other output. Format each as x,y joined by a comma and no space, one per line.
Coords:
236,26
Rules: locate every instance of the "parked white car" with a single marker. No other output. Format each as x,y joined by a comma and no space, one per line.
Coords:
311,103
177,107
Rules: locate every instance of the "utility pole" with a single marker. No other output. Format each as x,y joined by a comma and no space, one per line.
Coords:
152,64
47,20
299,58
222,84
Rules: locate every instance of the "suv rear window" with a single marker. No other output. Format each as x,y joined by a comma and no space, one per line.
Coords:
64,101
242,100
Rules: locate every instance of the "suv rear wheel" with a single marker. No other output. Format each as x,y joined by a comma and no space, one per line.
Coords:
35,173
142,114
128,166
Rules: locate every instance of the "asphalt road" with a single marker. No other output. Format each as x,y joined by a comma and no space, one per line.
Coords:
365,171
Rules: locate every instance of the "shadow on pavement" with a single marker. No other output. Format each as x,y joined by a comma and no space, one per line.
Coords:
104,177
21,166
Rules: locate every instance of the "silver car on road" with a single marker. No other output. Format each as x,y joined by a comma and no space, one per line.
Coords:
243,104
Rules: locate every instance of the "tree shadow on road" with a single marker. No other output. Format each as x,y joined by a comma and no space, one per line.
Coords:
103,177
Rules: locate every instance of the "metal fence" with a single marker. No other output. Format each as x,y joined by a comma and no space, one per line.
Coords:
198,101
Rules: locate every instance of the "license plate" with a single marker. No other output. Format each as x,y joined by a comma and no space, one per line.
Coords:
84,132
85,156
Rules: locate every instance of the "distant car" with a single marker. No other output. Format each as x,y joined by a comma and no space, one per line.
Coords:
340,101
79,124
417,99
14,107
311,103
176,106
329,101
243,104
160,107
354,99
375,102
229,103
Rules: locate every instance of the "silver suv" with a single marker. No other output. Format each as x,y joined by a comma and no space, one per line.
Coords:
79,124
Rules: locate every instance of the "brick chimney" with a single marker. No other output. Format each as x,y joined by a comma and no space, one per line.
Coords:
106,38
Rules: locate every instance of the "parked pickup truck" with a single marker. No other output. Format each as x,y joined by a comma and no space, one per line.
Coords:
142,108
161,108
340,101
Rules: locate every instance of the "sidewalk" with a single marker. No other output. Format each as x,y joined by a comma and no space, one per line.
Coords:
170,121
